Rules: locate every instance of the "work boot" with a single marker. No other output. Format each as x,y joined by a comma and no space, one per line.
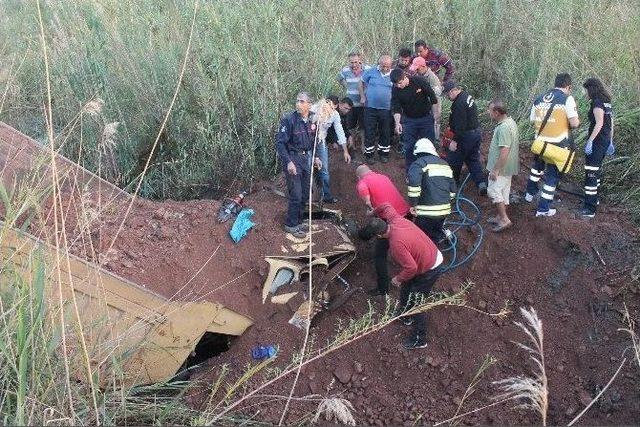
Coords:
482,188
295,231
586,213
414,342
550,212
304,227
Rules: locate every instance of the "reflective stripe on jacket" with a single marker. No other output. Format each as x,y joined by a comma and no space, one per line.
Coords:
431,186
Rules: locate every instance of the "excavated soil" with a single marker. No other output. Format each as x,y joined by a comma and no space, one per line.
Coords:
575,273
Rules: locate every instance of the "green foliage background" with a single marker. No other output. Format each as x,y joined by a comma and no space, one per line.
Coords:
249,58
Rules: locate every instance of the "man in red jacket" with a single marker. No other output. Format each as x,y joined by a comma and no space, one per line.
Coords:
420,262
376,189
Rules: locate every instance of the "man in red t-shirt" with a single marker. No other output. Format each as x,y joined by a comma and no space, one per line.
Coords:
420,262
376,189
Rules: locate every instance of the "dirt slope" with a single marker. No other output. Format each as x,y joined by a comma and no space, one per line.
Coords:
178,249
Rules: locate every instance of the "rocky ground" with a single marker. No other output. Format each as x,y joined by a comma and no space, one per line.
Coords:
577,274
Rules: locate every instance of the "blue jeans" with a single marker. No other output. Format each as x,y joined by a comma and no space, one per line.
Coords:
413,130
592,174
467,152
323,174
298,188
551,176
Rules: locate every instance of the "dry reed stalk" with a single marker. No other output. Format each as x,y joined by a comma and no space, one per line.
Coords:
335,409
533,390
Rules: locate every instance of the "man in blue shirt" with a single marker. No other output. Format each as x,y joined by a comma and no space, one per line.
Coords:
375,94
294,144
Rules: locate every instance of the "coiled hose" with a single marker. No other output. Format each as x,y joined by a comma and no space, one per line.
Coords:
456,221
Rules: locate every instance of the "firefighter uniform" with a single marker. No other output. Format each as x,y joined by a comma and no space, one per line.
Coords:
556,131
431,189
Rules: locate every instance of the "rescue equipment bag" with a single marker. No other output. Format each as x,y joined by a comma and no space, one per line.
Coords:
562,157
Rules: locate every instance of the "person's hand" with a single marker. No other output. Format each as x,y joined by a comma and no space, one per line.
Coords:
611,149
347,157
395,282
412,211
350,142
493,176
318,163
291,168
399,128
363,100
588,147
453,146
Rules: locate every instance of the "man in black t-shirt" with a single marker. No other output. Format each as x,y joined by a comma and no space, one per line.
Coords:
412,104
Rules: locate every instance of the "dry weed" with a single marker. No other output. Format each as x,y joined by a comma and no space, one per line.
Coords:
93,107
335,408
533,391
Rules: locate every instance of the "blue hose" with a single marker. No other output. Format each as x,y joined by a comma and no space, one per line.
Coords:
462,220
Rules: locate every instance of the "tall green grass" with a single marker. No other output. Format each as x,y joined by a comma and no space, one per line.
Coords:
250,58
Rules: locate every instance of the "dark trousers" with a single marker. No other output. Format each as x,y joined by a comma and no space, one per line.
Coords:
467,152
413,130
377,122
592,174
418,286
551,175
382,269
298,188
357,118
432,226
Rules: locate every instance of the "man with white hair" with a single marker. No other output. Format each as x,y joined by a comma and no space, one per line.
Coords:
375,94
431,189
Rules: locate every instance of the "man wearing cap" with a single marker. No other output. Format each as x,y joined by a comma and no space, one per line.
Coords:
436,59
375,92
431,189
376,189
420,68
412,103
420,262
465,147
294,144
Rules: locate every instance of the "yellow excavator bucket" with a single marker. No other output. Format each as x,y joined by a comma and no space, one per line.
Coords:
147,336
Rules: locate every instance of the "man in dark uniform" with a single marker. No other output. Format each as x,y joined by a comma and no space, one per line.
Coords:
465,148
294,144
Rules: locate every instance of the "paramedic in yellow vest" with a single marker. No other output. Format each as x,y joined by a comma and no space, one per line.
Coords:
556,130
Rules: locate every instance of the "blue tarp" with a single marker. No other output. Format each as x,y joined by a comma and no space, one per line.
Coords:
242,225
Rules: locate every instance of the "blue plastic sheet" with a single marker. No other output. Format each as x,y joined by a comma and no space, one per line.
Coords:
242,225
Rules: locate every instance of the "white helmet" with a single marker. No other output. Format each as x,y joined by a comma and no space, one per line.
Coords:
424,145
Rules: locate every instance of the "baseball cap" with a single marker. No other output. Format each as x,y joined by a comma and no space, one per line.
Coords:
448,85
417,62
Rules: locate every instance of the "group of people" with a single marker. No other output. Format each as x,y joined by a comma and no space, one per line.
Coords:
405,96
